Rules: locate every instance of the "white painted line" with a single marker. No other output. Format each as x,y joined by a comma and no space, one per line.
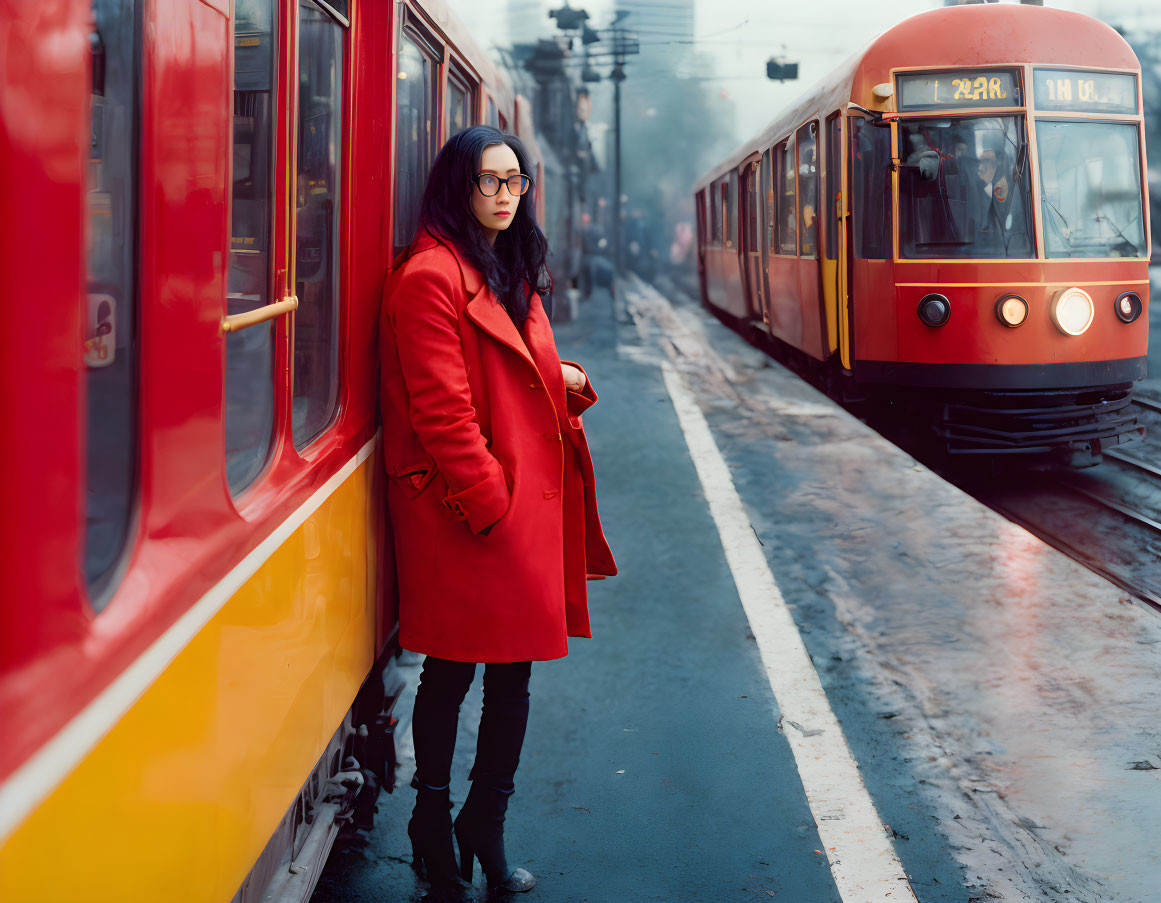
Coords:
862,860
33,781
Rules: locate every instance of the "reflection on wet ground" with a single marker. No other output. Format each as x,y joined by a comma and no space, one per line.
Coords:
995,692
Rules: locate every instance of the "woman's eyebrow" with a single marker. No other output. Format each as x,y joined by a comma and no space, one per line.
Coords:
496,172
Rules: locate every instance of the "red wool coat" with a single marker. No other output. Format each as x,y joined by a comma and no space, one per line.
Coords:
479,432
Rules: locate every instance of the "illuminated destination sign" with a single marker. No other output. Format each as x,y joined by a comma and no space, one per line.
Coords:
1085,92
967,88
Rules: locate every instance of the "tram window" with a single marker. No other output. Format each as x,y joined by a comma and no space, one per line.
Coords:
722,209
766,195
110,301
249,352
716,214
414,132
316,272
871,189
786,222
493,114
808,189
773,166
711,219
833,201
732,211
501,122
458,106
753,220
338,7
964,188
1090,176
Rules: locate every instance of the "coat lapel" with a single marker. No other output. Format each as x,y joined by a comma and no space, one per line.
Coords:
487,313
535,345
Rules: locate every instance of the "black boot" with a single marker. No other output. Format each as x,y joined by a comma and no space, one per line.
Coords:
434,857
479,832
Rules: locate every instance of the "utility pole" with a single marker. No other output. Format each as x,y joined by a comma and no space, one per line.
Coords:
622,46
618,76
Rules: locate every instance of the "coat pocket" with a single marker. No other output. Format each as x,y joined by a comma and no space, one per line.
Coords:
415,477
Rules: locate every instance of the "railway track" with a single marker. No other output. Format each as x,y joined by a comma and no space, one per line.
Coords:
1107,518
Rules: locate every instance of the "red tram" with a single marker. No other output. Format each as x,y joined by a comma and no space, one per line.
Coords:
956,215
198,624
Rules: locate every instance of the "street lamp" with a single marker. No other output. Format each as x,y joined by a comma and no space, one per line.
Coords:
569,19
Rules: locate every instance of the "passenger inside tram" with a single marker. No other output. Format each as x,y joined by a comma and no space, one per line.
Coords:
964,188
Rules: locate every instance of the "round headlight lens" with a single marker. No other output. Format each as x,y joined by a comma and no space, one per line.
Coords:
934,310
1128,306
1072,311
1012,310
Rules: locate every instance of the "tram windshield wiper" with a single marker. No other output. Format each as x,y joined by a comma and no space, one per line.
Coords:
1066,230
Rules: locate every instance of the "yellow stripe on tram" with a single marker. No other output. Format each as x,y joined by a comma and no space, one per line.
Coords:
178,800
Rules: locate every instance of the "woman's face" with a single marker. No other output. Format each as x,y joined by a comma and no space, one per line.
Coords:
497,212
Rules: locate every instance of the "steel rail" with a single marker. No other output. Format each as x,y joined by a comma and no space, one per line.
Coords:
1100,566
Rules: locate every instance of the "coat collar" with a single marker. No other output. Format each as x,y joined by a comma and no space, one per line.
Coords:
472,278
533,343
489,314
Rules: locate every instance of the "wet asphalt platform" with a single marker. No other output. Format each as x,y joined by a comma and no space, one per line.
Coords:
1002,703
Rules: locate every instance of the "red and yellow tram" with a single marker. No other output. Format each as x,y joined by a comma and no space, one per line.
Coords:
955,215
206,196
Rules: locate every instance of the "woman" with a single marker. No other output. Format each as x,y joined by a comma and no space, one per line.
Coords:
491,489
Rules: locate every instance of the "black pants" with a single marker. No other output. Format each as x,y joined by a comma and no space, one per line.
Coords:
442,687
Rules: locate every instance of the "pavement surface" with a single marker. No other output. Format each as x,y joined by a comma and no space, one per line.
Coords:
1000,700
653,768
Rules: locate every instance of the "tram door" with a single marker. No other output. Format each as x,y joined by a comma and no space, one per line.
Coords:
834,261
765,224
751,256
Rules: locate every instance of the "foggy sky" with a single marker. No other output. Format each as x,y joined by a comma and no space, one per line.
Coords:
734,38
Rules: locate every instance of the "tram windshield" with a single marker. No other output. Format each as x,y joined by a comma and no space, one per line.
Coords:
1090,175
964,188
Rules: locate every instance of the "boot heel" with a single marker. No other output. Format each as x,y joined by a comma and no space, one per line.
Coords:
433,854
467,857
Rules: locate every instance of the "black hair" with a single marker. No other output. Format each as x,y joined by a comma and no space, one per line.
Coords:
514,267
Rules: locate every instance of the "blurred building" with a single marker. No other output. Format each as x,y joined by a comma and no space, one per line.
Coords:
670,90
1146,43
547,71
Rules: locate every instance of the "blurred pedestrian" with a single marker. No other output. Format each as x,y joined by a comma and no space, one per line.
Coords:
490,489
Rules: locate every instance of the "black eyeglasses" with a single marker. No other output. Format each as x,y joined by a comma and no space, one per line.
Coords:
489,184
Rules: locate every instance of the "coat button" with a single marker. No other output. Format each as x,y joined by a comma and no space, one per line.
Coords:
550,493
534,385
552,437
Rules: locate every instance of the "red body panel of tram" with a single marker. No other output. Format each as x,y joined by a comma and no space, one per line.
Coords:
197,561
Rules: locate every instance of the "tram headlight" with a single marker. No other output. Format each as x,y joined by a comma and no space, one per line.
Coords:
1011,310
1072,311
934,309
1128,306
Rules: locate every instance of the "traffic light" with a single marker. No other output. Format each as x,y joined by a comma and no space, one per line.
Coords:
569,19
781,69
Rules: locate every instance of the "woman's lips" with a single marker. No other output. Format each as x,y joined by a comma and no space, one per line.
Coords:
501,213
